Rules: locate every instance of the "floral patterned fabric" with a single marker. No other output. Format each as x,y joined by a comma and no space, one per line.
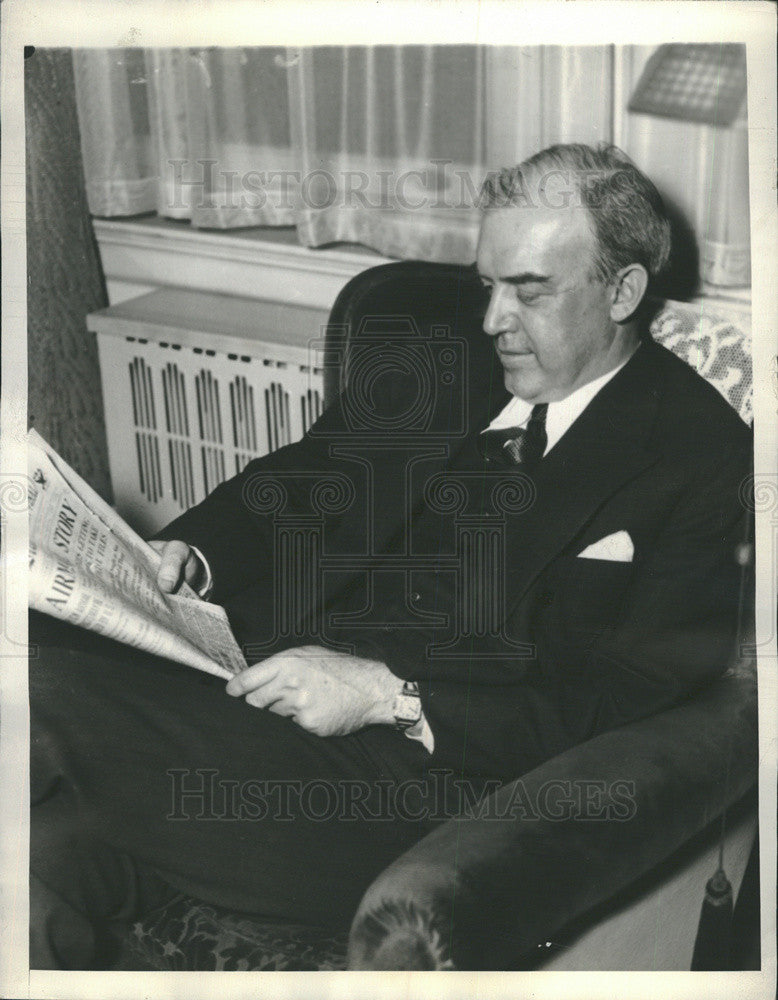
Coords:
190,936
715,339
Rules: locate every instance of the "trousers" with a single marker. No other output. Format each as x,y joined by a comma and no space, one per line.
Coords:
147,780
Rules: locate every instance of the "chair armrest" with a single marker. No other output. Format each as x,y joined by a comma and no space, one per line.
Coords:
481,892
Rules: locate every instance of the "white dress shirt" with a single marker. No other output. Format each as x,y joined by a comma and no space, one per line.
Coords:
561,414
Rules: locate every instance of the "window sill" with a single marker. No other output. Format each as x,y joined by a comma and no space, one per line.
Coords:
142,255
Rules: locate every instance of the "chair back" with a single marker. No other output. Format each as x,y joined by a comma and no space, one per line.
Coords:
429,300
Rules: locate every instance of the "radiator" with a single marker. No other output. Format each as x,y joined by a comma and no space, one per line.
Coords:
195,386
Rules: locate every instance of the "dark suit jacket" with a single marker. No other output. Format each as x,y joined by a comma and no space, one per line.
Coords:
658,454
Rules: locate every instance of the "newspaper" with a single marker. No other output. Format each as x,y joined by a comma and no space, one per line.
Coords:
88,567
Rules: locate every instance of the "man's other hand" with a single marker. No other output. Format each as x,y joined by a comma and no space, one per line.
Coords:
327,693
179,564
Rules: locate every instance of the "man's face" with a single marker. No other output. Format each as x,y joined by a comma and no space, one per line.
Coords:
548,313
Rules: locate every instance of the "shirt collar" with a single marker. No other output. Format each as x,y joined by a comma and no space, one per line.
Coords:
562,413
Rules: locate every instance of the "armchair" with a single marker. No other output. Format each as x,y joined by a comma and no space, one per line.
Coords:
534,892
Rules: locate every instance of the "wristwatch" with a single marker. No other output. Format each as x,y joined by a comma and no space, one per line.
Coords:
407,706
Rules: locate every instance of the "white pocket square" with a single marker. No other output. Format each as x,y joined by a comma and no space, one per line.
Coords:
617,547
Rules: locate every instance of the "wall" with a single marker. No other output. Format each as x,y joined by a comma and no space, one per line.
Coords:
64,279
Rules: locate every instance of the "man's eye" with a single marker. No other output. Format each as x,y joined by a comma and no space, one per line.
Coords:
526,297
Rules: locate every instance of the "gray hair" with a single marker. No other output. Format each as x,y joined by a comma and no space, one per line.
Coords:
628,216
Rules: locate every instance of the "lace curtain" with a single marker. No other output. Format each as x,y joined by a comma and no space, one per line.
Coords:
384,146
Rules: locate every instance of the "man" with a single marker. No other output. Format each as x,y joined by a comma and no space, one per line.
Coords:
618,597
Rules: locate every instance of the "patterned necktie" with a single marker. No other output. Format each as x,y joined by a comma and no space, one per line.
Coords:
517,445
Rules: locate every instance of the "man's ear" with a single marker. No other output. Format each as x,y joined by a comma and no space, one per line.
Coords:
629,287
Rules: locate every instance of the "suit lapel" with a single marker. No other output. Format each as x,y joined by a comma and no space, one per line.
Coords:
605,448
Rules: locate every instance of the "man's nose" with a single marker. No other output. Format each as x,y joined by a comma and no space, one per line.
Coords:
499,314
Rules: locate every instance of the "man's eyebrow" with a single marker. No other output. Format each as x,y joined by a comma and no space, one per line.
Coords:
525,278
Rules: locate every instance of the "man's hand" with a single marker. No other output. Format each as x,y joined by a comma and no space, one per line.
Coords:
179,564
327,693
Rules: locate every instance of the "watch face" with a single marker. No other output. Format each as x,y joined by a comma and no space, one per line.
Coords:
407,709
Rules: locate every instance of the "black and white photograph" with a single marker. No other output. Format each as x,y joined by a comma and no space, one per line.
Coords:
389,499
